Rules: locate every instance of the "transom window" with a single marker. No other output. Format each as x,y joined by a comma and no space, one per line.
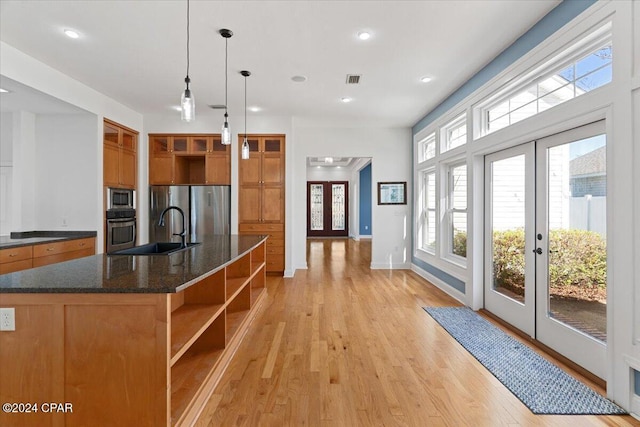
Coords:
590,71
427,148
454,133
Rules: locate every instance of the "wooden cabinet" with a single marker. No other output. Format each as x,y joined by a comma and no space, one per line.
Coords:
128,359
188,159
120,155
261,194
16,259
24,257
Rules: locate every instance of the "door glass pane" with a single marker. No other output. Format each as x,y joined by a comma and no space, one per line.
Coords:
317,207
577,199
508,226
338,207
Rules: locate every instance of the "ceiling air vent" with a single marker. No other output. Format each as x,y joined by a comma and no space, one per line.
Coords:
353,79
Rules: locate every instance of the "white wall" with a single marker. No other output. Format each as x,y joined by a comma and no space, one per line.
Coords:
390,151
6,139
65,181
321,173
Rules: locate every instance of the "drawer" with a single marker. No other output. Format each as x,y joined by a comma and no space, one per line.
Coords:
79,244
261,228
275,263
16,254
275,250
62,256
275,242
10,267
47,249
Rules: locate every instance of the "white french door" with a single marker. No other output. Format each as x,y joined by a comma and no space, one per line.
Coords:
545,266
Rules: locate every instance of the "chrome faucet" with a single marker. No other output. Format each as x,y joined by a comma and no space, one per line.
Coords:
183,234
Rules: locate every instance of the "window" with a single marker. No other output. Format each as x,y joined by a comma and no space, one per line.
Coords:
590,71
454,134
428,215
457,212
427,148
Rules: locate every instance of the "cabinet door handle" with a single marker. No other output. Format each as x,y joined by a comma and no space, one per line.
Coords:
49,249
13,255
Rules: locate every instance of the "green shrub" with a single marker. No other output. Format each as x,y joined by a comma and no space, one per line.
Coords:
460,243
577,258
508,260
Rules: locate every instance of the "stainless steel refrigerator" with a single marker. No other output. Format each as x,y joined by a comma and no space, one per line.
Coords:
207,210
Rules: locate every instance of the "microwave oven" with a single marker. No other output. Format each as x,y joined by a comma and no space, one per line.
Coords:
121,198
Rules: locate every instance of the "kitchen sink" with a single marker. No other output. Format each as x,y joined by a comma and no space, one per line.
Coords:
159,248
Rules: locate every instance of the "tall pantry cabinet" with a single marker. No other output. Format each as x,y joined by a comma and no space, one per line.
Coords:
261,194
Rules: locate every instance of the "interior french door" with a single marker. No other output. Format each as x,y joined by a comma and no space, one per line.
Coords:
545,244
328,208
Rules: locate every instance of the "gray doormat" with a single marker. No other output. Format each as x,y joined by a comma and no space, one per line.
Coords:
541,386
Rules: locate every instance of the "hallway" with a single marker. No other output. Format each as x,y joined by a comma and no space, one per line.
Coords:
343,345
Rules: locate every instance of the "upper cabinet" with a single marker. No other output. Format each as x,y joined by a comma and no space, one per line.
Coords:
188,159
120,155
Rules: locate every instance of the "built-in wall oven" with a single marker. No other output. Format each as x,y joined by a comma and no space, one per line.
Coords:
121,219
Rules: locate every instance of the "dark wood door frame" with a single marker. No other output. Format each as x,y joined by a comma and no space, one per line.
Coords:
327,210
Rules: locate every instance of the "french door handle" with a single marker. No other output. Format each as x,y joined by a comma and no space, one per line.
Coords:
538,251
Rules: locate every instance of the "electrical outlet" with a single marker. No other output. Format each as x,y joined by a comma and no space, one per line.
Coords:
7,319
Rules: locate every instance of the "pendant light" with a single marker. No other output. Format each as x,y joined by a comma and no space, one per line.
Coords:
245,143
226,132
187,102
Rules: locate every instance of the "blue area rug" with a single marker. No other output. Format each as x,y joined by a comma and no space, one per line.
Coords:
542,386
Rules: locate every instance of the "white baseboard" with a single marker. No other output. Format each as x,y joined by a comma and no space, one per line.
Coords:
454,293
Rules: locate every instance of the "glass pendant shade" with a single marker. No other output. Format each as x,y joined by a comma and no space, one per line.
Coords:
245,149
226,132
187,106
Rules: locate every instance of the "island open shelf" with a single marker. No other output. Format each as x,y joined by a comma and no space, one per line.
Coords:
144,358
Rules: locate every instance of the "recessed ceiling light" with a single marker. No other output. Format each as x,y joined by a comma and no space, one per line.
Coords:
299,79
3,90
71,33
364,35
255,109
425,79
346,99
328,159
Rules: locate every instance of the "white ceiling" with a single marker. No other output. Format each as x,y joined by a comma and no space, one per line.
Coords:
135,52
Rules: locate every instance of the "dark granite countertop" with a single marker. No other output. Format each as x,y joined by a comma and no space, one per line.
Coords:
26,238
132,273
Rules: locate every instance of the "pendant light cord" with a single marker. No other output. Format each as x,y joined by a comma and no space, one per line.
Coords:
245,108
188,15
226,72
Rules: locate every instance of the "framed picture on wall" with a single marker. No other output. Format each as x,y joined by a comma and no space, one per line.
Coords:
392,193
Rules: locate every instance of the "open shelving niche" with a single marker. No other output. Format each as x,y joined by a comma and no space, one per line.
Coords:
207,324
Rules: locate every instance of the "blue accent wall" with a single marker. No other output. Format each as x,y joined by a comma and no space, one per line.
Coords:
365,201
549,24
454,282
636,374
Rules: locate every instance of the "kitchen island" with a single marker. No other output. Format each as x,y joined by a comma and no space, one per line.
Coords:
127,340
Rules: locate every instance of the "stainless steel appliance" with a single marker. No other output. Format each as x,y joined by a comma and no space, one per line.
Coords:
121,198
207,210
121,229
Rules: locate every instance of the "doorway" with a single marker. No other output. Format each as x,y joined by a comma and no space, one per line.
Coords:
545,245
327,208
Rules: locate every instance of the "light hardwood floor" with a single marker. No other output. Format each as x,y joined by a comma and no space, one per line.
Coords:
343,345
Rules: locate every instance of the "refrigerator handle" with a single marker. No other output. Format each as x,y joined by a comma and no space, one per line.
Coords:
210,198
